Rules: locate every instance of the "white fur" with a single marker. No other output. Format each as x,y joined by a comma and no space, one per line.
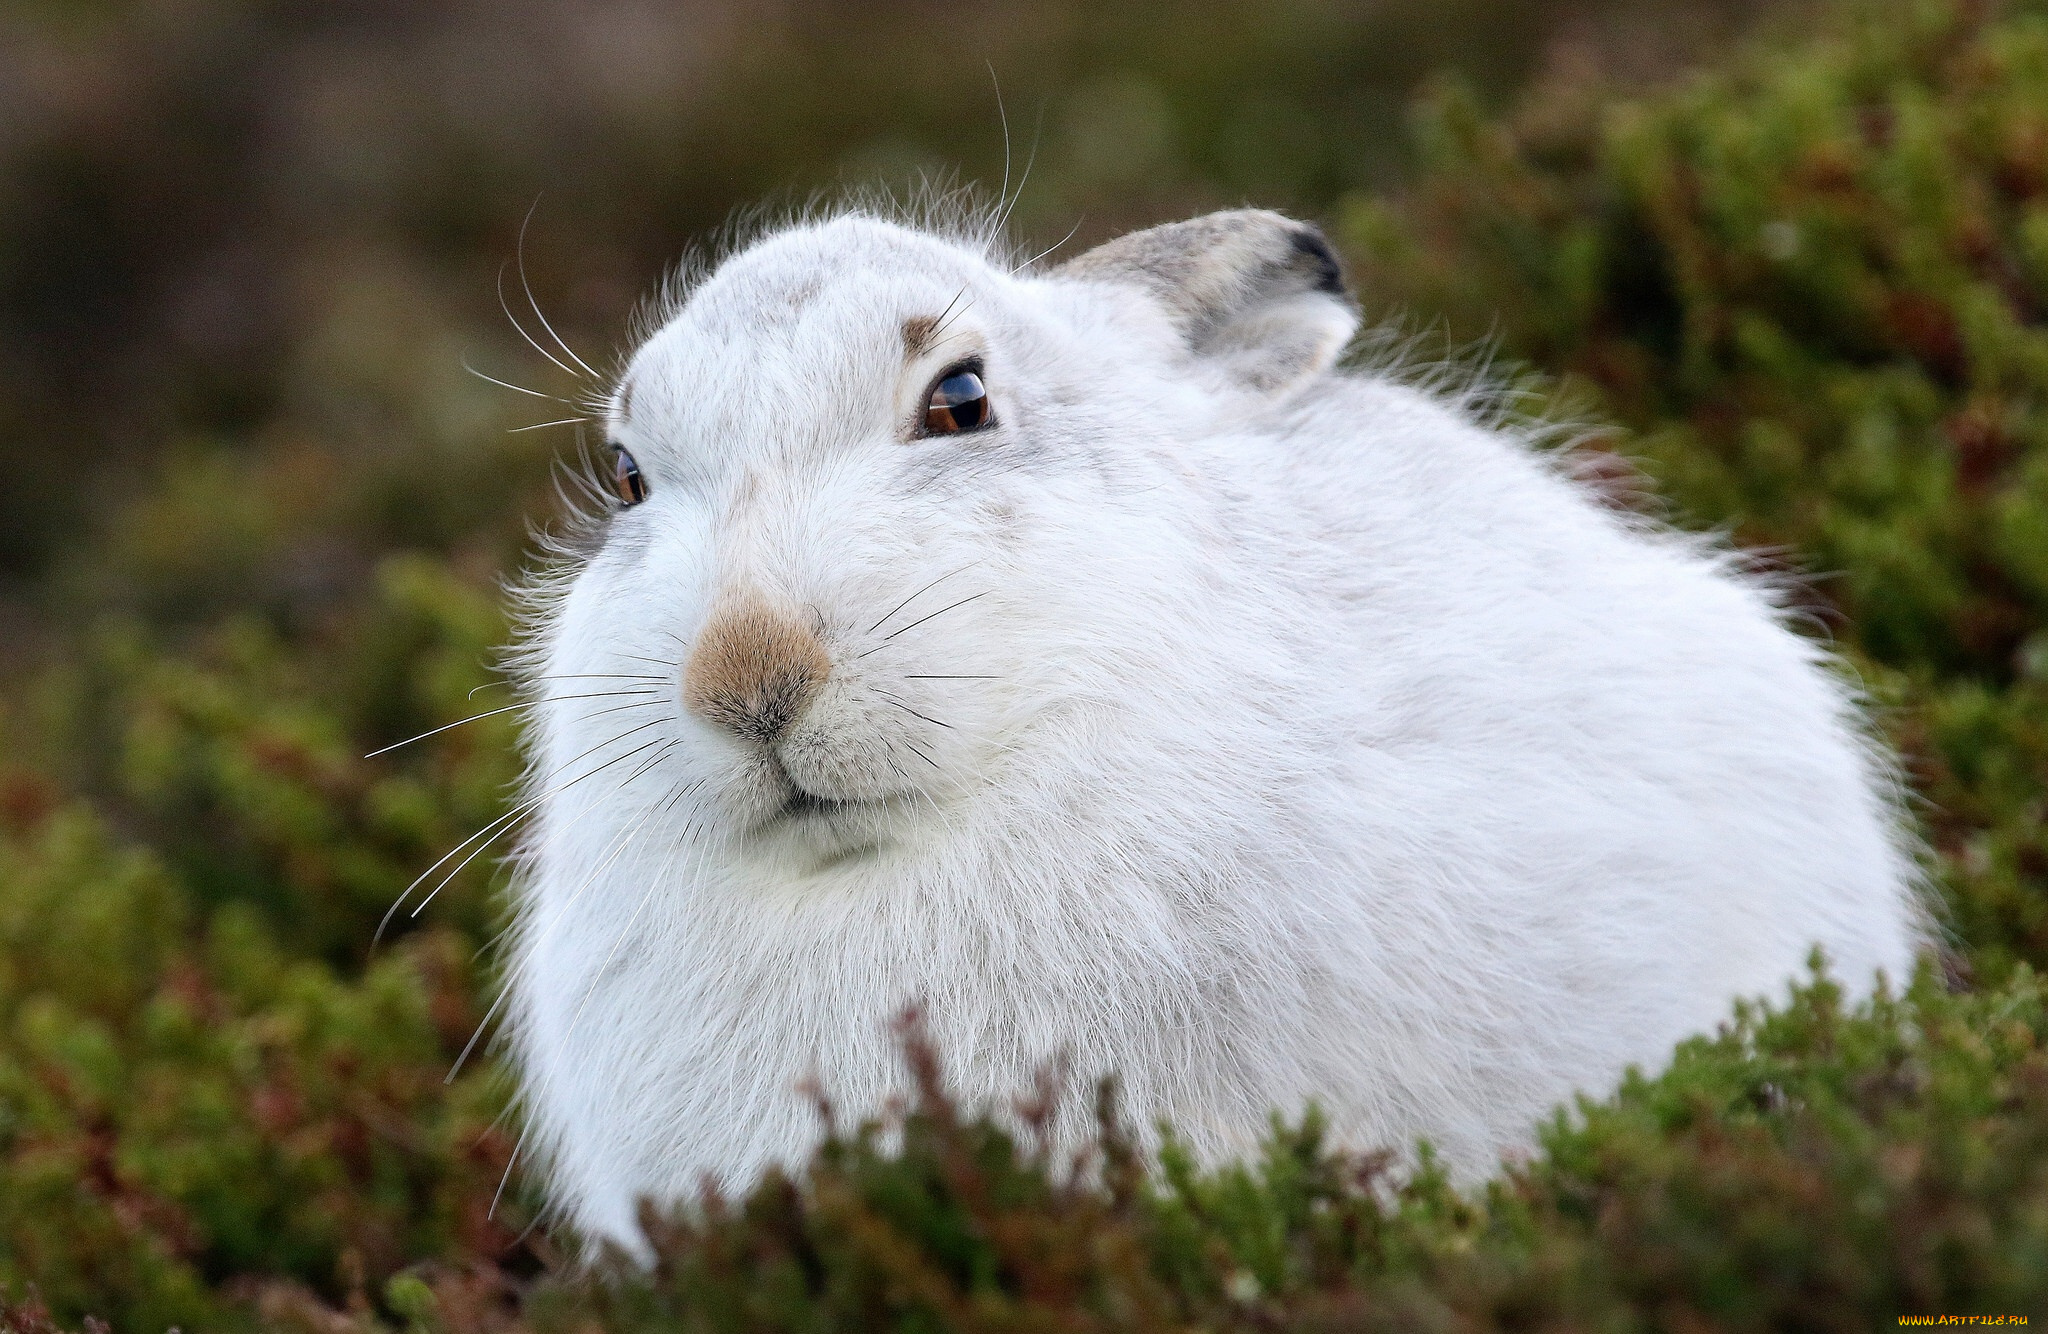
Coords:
1337,747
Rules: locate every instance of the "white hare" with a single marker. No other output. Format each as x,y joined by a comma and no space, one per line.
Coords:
1077,653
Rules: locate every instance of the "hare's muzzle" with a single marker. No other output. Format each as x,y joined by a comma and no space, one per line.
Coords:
754,669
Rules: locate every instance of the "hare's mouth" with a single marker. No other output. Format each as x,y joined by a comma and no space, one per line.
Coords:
791,817
826,832
803,809
805,805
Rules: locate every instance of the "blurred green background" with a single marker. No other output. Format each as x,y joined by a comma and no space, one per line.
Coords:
1789,260
246,249
258,232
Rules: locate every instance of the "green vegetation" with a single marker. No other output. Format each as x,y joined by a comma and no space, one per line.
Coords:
1813,290
1810,288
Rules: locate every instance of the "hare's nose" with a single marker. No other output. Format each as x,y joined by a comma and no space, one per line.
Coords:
754,668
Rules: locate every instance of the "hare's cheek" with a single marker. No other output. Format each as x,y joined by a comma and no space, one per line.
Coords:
1002,521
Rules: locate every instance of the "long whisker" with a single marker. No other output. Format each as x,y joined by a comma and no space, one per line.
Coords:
506,306
612,854
1037,130
940,327
541,426
519,255
505,992
598,676
917,788
562,914
1003,195
913,712
921,592
572,676
515,388
919,753
1049,249
940,323
617,708
399,902
510,1163
446,880
508,816
922,619
482,1024
509,708
934,676
436,731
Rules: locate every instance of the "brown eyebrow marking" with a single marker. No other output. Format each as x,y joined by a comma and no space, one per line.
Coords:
917,334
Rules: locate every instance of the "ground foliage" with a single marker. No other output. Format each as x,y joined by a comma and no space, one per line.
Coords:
1809,287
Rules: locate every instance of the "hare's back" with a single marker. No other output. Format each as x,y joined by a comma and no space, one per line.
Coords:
1593,717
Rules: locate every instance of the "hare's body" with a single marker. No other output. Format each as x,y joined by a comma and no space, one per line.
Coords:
1257,733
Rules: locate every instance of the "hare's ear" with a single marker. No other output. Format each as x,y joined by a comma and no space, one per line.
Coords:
1261,294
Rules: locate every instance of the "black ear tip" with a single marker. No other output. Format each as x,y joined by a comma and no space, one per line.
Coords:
1314,247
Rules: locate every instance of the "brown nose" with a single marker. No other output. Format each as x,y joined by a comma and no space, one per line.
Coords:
754,669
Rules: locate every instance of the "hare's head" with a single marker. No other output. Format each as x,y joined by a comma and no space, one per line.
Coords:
899,530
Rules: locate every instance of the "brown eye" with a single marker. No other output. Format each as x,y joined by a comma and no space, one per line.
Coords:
959,402
627,483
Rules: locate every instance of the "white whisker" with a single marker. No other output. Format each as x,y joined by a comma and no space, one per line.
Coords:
446,880
510,1163
515,388
1002,221
509,708
506,306
618,846
1049,249
504,819
572,676
519,255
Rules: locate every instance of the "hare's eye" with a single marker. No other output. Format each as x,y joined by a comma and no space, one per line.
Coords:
627,483
959,402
